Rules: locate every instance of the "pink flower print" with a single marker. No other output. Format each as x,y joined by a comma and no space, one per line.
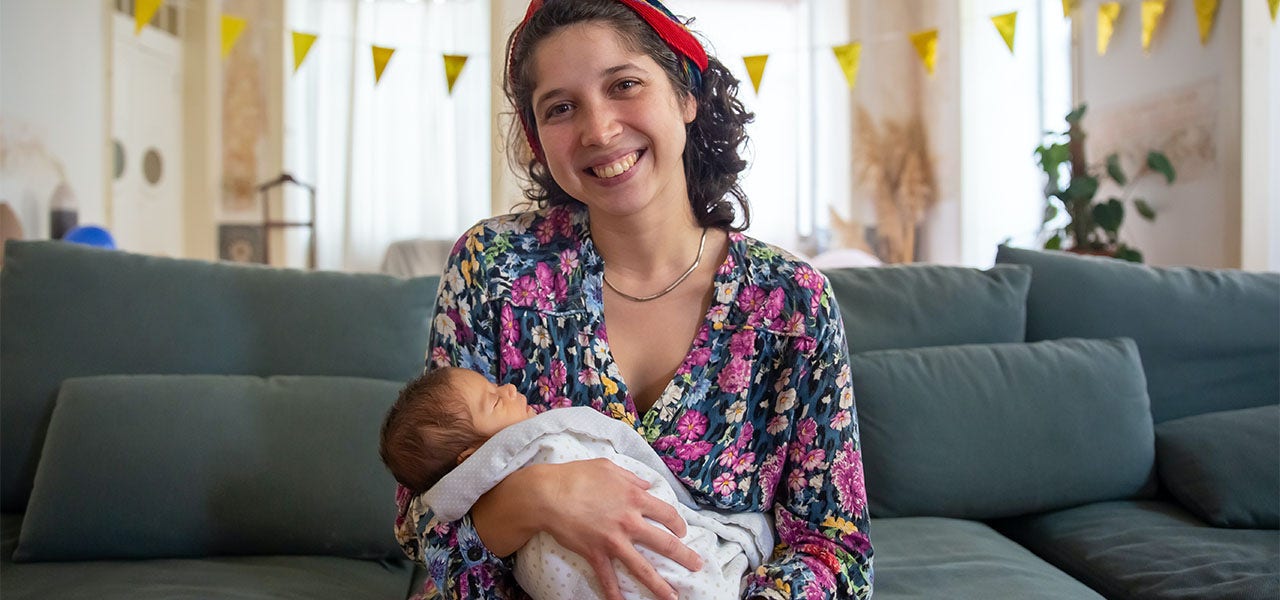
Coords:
724,485
697,358
790,528
745,463
510,328
728,265
814,459
692,425
674,464
545,231
440,357
795,324
743,343
665,443
728,457
587,376
804,344
735,376
770,472
736,236
777,424
693,450
808,278
524,291
558,374
751,299
841,420
561,402
796,481
768,310
846,473
512,358
806,431
568,261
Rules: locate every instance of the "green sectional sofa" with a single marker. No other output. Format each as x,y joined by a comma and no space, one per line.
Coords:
1053,427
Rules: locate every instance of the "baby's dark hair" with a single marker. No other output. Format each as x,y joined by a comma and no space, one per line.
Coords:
712,162
426,430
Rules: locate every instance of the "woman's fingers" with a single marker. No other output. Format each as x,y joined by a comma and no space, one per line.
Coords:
603,567
666,514
644,572
670,546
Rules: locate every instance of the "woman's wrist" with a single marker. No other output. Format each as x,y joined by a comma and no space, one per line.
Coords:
512,512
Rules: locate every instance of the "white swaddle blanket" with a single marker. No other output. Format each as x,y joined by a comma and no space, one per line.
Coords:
729,543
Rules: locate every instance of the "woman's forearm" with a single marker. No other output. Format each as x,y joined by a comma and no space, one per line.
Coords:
507,516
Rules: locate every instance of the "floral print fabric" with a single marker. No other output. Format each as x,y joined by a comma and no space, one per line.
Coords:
759,417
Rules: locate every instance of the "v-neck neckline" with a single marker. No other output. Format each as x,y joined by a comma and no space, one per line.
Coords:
727,272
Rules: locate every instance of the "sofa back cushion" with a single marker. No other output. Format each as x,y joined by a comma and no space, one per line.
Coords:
1224,467
1210,339
909,306
70,310
990,431
163,466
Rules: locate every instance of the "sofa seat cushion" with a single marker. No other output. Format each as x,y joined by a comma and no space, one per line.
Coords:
1210,339
928,557
242,578
170,466
984,431
908,306
1151,549
1224,467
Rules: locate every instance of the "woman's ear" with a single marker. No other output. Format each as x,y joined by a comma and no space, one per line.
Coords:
689,108
466,454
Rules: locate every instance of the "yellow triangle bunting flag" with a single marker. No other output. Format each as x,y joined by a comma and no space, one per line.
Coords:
453,64
1006,24
926,43
1067,7
755,68
380,57
848,56
1152,12
1206,15
301,46
1273,5
1108,14
143,12
232,27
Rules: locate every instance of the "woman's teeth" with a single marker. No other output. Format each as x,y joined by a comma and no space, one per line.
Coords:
617,168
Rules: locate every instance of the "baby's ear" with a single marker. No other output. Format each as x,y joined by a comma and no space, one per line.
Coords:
466,454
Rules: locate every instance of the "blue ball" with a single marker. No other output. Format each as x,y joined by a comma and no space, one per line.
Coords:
91,235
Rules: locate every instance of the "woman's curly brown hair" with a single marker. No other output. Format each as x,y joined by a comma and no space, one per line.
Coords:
711,155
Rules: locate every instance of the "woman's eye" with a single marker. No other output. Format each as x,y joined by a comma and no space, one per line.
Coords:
627,84
558,109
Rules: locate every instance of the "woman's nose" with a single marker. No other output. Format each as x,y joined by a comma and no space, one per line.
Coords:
599,126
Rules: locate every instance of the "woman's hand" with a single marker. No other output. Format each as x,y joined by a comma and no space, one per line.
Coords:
598,510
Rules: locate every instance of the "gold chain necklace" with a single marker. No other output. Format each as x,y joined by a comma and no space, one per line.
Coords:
697,261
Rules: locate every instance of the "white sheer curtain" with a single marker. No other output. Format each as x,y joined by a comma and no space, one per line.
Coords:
400,160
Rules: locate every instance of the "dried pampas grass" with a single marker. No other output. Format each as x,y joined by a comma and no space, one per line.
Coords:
892,163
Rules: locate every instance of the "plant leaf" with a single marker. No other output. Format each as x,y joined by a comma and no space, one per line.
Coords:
1050,213
1115,170
1081,188
1160,164
1077,114
1125,252
1145,209
1109,215
1054,243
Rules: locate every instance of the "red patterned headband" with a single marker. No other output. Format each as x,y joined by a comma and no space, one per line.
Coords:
664,23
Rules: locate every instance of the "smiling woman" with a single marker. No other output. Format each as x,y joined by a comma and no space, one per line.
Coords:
733,370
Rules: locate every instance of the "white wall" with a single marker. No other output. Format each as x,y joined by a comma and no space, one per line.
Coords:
54,59
1185,99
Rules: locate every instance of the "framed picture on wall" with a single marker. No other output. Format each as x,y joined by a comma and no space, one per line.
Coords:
241,243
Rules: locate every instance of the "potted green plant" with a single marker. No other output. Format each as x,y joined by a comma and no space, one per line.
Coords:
1092,225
